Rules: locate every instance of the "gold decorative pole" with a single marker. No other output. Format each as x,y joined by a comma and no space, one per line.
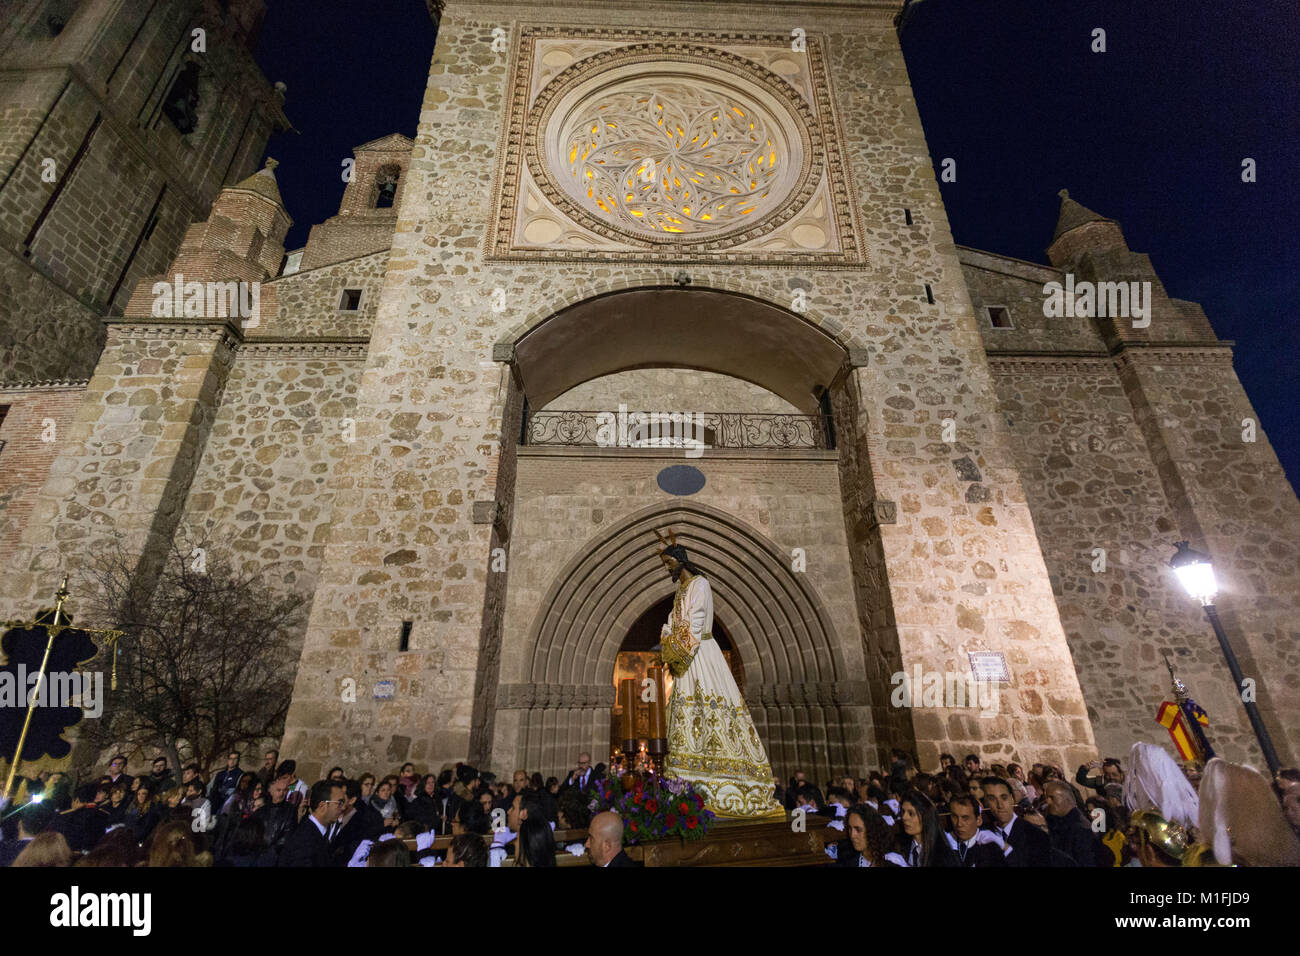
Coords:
53,630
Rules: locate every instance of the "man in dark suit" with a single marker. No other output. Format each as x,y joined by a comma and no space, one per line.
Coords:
359,821
605,841
308,844
1030,846
584,776
117,772
972,848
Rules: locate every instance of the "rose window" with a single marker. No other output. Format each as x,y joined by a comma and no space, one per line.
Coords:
673,155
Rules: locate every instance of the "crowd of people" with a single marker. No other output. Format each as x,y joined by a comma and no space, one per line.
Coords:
961,814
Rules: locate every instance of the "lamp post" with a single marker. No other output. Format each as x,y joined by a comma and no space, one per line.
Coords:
1195,573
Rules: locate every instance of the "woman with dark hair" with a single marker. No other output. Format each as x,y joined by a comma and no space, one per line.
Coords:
535,845
407,781
426,806
553,785
537,782
923,842
144,813
384,801
117,804
870,841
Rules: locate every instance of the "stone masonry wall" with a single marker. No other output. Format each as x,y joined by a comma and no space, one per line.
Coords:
260,490
1233,501
307,303
1092,484
428,427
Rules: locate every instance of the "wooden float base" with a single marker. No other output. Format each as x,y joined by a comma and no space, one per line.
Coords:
743,843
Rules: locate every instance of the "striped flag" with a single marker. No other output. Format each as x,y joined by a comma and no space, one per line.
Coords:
1170,716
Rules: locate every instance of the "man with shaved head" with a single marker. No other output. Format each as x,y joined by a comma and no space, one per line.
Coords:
605,841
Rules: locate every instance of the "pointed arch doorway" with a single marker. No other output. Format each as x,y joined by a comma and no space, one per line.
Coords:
639,651
809,710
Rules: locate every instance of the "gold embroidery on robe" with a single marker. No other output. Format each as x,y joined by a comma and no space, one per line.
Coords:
712,741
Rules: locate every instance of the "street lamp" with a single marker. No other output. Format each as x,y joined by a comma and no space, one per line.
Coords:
1195,573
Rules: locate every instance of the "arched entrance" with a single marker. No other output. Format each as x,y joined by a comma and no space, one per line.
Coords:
806,709
640,650
550,640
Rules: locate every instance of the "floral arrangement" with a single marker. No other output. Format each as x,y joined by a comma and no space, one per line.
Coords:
654,808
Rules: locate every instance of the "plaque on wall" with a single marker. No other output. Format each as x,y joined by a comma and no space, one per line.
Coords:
990,666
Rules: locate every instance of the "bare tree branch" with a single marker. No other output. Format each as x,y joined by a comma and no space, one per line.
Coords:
204,659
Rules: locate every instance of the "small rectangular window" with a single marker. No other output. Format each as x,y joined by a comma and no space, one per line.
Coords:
929,294
405,644
999,317
908,215
350,301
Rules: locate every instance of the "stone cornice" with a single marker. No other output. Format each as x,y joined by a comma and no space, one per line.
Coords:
47,385
1166,353
126,326
341,347
1217,353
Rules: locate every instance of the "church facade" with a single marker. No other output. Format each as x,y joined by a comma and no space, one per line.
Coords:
721,212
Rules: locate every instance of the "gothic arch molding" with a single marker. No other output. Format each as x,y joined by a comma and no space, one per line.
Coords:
798,688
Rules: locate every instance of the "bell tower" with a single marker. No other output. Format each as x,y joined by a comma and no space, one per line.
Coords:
121,123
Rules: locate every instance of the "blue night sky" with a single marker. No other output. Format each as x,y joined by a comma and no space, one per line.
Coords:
1151,133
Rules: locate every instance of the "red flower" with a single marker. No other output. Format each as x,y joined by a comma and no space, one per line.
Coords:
652,805
699,801
691,822
633,826
682,806
671,820
637,797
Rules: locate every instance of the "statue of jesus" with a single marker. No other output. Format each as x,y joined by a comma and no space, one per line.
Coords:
711,737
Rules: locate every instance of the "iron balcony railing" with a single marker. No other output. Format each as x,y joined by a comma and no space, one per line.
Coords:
660,430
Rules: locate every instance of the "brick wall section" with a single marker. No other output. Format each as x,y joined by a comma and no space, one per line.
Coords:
26,456
129,454
1132,453
1234,502
116,62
